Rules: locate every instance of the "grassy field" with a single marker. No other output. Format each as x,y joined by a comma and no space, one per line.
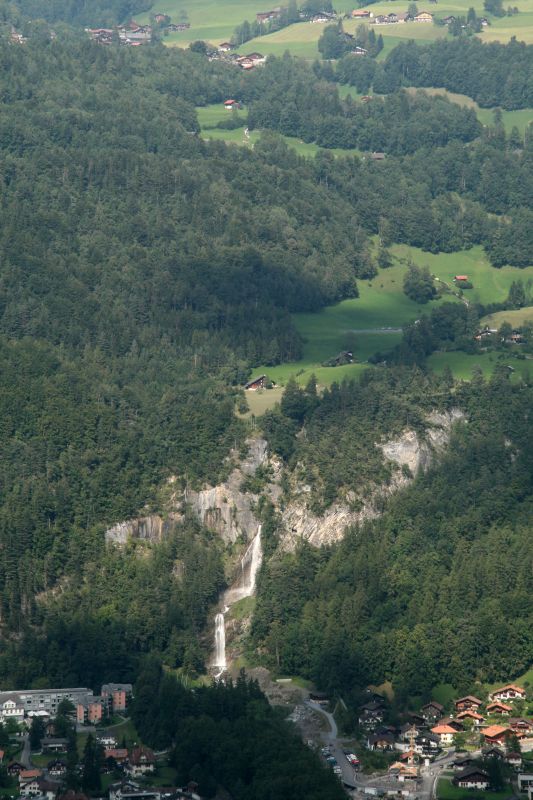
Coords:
372,322
215,20
208,116
514,318
447,791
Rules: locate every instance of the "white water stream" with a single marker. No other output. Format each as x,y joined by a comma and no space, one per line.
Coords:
250,563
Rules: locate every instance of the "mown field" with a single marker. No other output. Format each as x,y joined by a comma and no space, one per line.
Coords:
372,322
215,20
209,116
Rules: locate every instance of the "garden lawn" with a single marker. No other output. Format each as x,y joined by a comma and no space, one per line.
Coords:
447,791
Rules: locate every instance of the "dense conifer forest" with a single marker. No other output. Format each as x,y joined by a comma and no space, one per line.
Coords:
143,273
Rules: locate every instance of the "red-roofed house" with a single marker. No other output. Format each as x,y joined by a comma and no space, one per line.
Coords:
499,708
495,734
142,761
509,692
445,733
473,715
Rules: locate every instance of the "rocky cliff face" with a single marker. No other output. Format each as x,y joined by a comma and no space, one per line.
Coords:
230,511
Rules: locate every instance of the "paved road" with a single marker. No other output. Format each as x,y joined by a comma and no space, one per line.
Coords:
25,753
426,785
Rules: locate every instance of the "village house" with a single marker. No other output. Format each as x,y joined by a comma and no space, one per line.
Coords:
509,692
445,734
462,762
231,105
521,725
370,714
226,47
468,703
427,744
495,734
28,776
267,16
56,768
360,13
408,731
12,709
498,708
256,383
476,718
14,768
52,745
141,761
118,754
424,16
380,741
432,711
472,778
492,752
514,760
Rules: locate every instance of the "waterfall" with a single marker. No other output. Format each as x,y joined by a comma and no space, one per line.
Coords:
250,564
220,643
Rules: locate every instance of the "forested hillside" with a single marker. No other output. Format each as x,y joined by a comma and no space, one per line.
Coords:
436,590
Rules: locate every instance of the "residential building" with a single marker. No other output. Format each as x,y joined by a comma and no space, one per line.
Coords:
509,692
495,734
499,708
50,745
141,761
43,699
424,16
432,711
525,781
117,696
514,760
472,778
91,710
468,703
476,718
445,734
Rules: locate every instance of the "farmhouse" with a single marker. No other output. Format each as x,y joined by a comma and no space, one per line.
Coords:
54,745
509,692
380,741
476,718
495,734
256,383
432,711
498,708
424,16
468,703
472,778
229,105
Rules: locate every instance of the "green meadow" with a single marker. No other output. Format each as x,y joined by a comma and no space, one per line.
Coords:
215,20
209,116
372,322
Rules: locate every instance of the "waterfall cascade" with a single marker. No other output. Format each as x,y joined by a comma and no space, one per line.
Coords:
250,564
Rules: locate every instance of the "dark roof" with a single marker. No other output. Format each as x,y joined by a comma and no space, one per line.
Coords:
471,772
381,737
254,380
433,704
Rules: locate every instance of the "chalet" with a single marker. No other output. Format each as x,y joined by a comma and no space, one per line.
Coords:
462,762
256,383
509,692
54,745
521,725
432,711
380,19
423,16
118,754
448,20
360,13
245,63
516,338
12,708
226,47
408,731
499,708
427,744
472,778
106,740
445,734
14,768
27,775
371,713
492,752
256,58
403,17
267,16
476,718
141,761
514,760
56,768
468,703
392,18
495,734
380,741
456,724
403,771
